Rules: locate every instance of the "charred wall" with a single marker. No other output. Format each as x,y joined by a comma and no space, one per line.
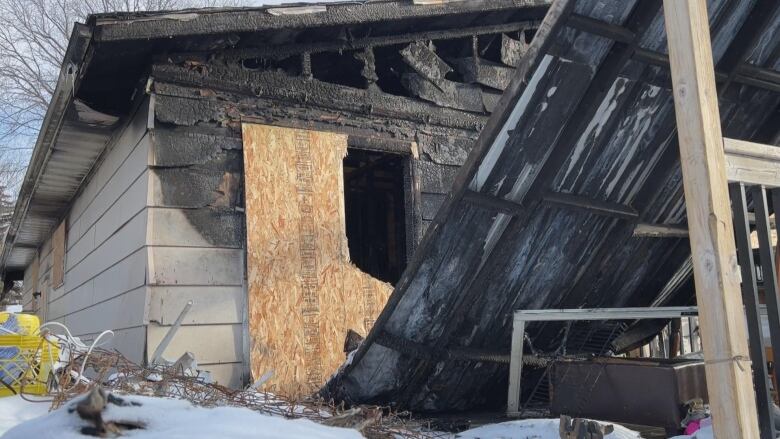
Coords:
430,97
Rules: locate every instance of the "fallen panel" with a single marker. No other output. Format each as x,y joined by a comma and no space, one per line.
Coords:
304,294
581,149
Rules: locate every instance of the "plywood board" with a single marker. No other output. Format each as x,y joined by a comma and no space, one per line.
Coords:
303,292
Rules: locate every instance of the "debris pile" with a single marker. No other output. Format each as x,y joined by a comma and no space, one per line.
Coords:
182,380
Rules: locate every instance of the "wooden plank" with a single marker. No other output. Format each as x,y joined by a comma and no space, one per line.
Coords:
752,163
644,230
722,319
515,368
303,294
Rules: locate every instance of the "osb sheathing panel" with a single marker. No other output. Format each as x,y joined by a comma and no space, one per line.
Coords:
304,294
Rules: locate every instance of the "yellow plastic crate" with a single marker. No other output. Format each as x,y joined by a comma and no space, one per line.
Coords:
28,323
26,364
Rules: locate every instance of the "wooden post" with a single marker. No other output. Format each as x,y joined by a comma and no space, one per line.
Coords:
716,274
515,368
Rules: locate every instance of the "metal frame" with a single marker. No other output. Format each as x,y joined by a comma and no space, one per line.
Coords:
754,311
548,315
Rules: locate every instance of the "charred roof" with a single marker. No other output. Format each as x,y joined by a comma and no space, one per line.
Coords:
581,149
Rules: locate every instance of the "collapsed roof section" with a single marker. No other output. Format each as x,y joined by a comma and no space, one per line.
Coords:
580,153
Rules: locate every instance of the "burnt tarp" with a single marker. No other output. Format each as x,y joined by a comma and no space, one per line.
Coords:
581,148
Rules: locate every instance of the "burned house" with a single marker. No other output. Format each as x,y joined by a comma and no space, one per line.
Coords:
276,167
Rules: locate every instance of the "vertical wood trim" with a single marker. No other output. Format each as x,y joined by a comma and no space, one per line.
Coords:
515,368
58,256
716,273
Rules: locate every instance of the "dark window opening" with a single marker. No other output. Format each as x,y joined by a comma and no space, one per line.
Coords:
337,68
375,214
389,68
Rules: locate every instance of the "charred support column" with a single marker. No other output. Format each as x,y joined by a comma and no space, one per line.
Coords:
752,310
721,316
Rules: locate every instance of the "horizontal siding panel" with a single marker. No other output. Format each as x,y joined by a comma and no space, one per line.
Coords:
209,343
128,274
128,204
131,342
61,303
174,227
195,266
123,311
210,305
118,184
125,241
226,374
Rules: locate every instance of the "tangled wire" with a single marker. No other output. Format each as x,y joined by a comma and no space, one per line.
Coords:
116,373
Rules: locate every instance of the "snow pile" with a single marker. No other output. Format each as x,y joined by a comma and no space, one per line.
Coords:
704,433
533,429
14,410
169,418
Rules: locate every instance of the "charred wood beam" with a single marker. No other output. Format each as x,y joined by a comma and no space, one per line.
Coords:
368,71
643,230
557,199
285,50
450,94
491,202
383,144
597,207
512,51
430,353
346,14
284,88
600,28
479,71
744,73
423,59
750,33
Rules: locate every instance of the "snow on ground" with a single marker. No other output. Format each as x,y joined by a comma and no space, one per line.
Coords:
14,410
704,433
168,419
533,429
174,419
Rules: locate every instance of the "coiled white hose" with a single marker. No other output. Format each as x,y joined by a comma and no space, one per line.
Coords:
74,342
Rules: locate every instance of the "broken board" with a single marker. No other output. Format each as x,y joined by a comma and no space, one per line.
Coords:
304,294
